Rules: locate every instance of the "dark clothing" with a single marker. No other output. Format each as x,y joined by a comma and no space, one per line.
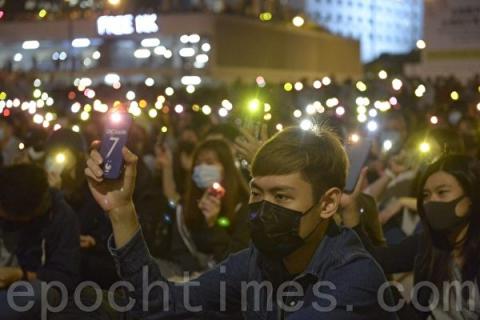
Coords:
48,246
408,256
340,259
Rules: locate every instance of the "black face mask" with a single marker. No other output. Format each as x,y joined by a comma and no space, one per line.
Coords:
442,220
274,229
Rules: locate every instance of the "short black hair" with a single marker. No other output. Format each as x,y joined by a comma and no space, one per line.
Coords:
22,189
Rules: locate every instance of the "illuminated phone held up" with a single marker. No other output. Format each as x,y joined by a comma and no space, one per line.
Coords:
216,190
114,139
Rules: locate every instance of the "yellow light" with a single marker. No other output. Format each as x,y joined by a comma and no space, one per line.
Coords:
84,116
288,87
87,108
37,93
267,107
478,106
354,138
196,107
164,129
298,21
455,95
267,117
152,113
424,147
361,86
297,113
3,95
114,2
42,13
60,158
253,105
206,110
142,103
265,16
75,128
21,146
279,127
383,74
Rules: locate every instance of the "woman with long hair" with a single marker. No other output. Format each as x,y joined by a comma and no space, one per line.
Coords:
213,219
447,251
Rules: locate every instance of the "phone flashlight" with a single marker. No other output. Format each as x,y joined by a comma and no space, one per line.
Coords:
217,190
56,163
114,139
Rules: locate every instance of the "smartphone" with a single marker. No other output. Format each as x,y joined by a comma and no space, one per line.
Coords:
357,156
217,190
114,139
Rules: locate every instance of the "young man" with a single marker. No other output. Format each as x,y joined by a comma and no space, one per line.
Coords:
38,239
301,264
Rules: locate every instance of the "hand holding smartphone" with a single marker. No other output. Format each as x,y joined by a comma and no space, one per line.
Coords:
114,139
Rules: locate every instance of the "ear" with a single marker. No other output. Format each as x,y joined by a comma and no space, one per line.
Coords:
330,202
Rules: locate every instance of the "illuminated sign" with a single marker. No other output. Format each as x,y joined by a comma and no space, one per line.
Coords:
126,24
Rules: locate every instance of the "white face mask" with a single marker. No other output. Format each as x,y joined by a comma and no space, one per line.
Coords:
205,175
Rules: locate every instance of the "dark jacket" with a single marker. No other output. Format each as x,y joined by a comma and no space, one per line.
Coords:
48,246
354,279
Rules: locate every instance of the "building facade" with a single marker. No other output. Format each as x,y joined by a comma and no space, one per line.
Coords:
381,26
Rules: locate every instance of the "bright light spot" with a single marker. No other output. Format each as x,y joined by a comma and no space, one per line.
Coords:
190,89
164,129
373,113
96,55
42,13
16,103
361,86
434,120
397,84
194,38
267,117
332,102
46,124
454,95
306,125
21,146
317,84
160,50
279,127
116,117
49,116
38,118
31,45
298,21
260,81
227,104
383,74
80,43
222,112
191,80
150,42
142,53
89,93
130,95
184,38
253,105
60,158
18,57
87,62
114,2
318,106
186,52
201,58
76,107
168,54
340,111
37,93
288,87
169,91
149,82
206,47
206,110
354,138
117,85
298,86
75,128
420,91
297,113
62,56
84,116
152,113
372,126
424,147
265,16
387,145
134,109
310,109
478,106
326,81
57,127
178,108
85,82
421,44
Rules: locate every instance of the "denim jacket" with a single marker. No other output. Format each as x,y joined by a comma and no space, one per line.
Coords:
341,282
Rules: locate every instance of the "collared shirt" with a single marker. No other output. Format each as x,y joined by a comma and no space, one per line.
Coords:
341,282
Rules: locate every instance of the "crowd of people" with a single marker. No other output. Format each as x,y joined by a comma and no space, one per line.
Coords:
210,194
